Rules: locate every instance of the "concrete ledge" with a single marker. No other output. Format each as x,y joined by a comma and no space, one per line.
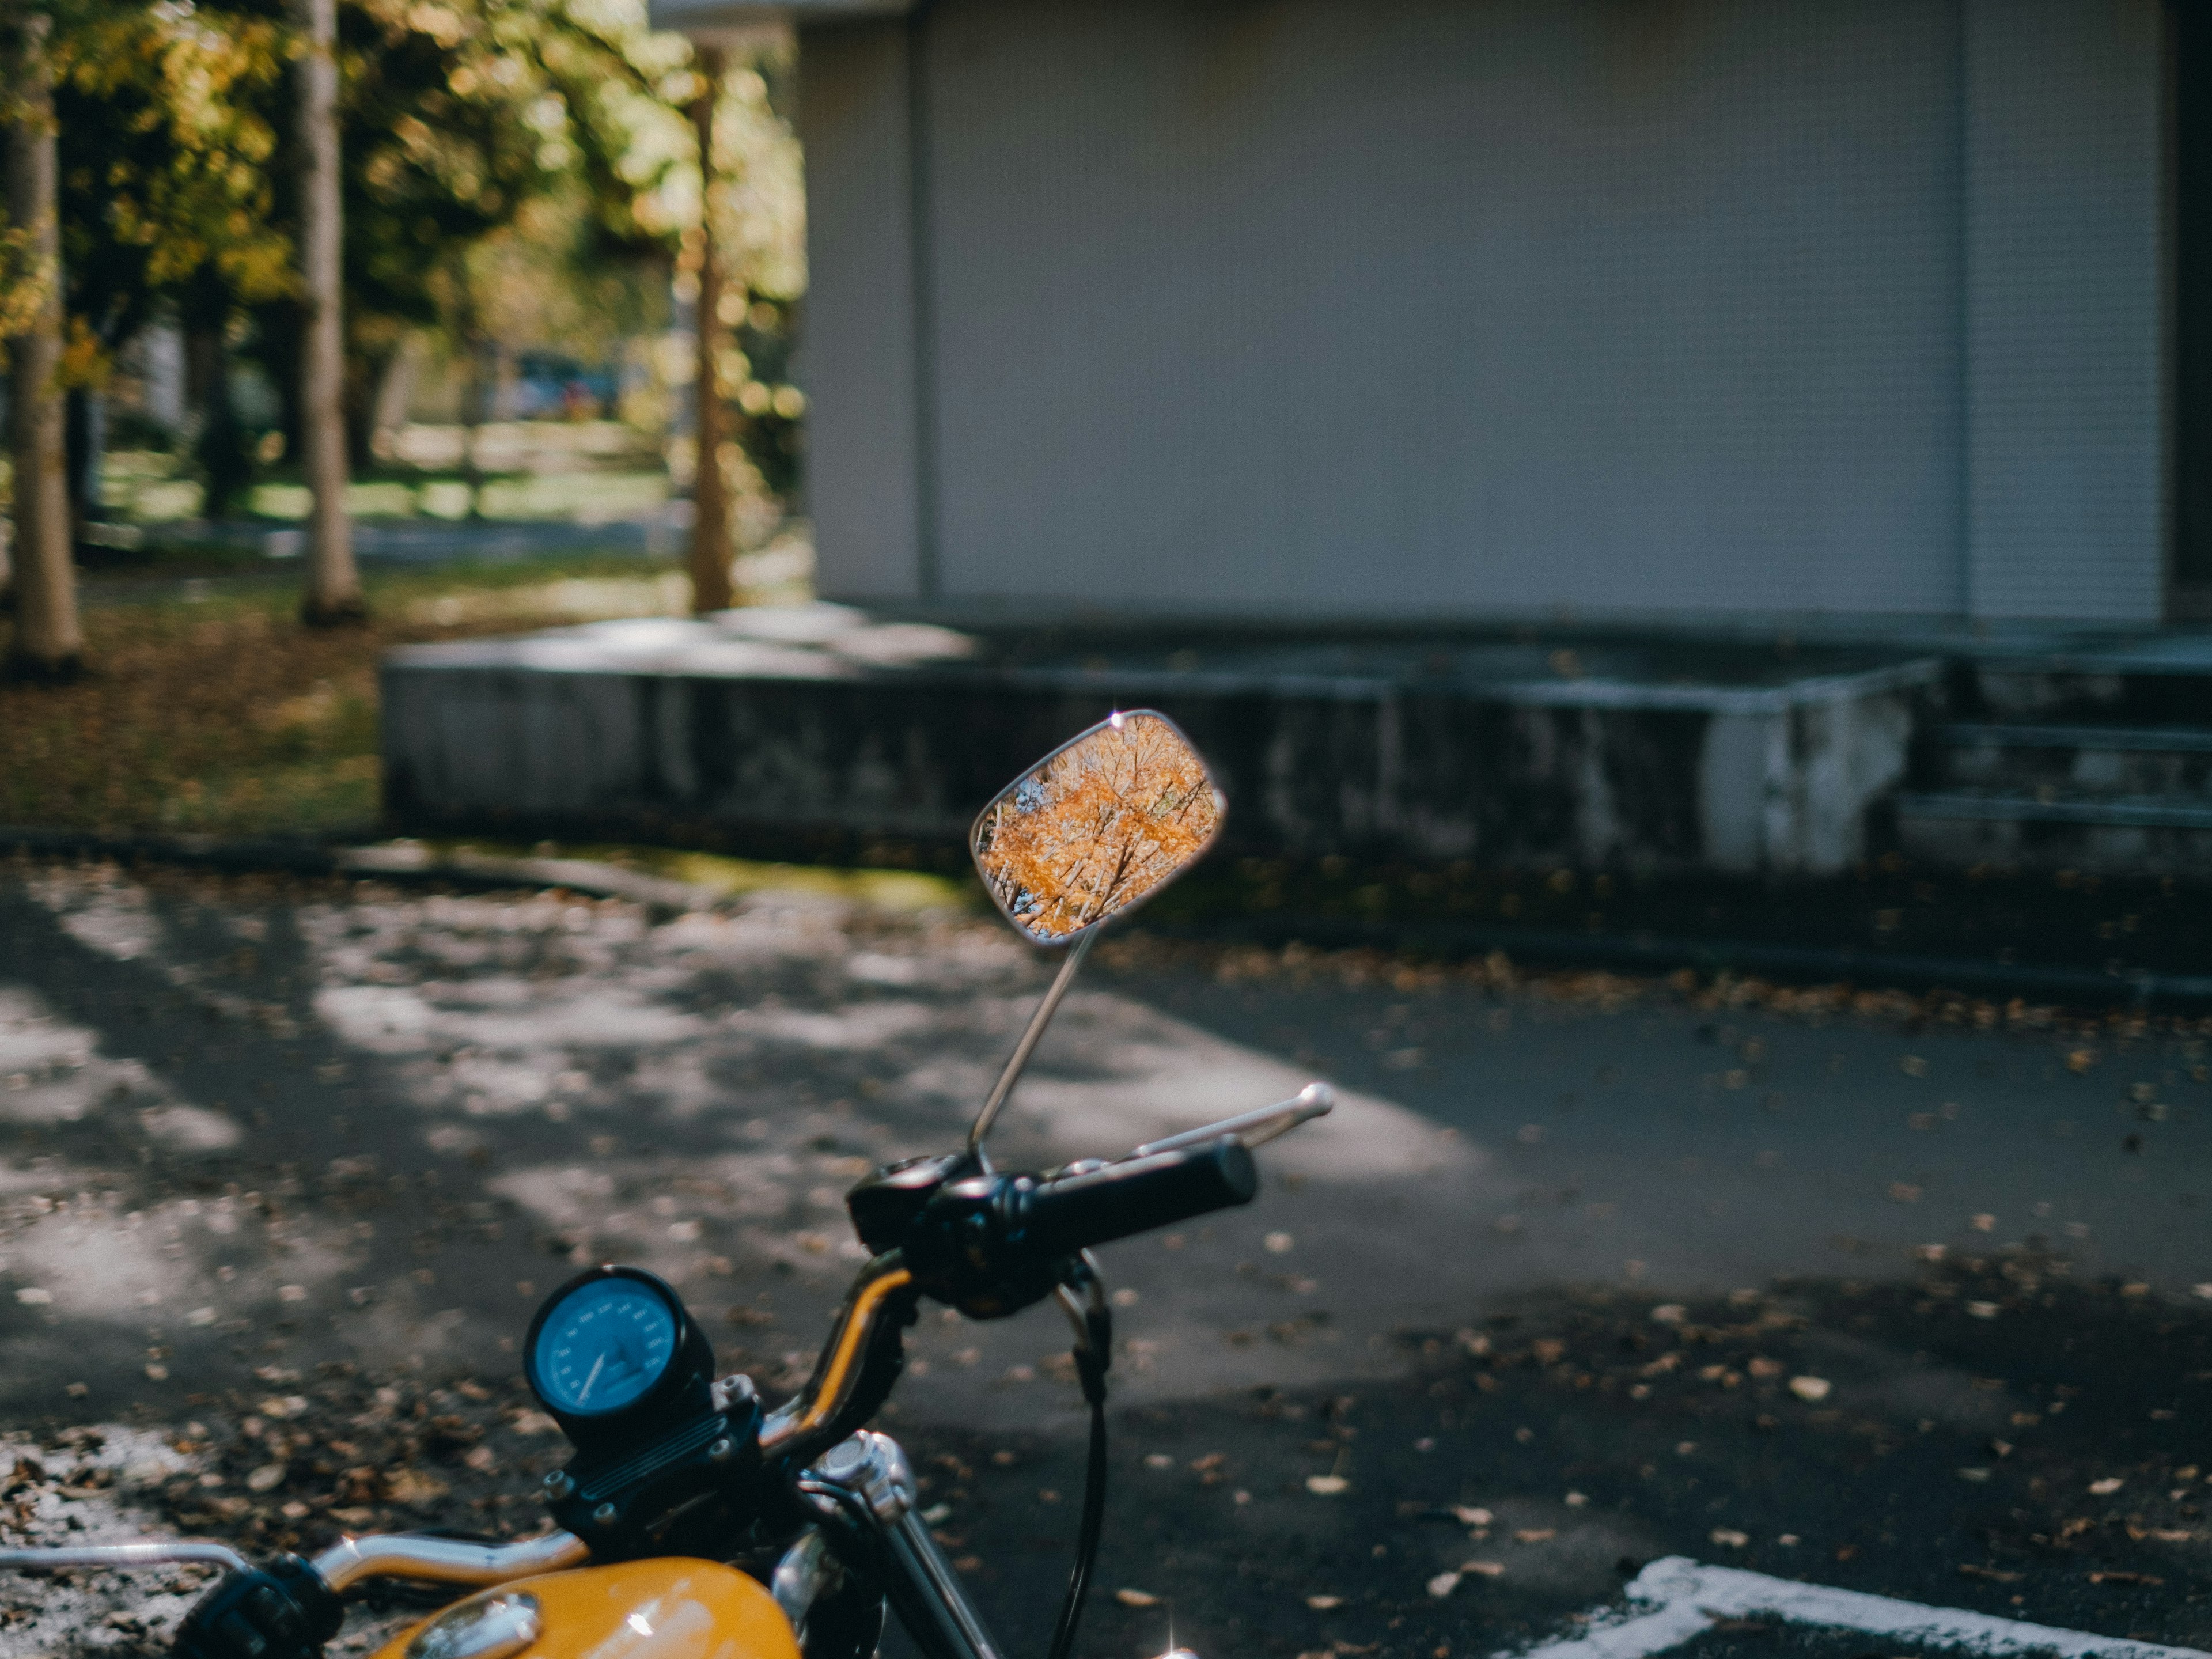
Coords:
823,717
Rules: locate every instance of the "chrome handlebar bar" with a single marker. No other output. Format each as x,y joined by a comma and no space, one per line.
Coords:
1255,1129
351,1561
154,1553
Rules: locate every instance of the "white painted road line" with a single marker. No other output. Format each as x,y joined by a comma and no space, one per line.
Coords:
1690,1597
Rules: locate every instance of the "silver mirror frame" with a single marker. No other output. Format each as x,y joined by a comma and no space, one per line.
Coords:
1115,722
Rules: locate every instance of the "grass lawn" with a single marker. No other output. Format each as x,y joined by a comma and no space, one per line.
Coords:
217,712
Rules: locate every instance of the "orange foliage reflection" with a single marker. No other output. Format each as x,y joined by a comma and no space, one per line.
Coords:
1106,821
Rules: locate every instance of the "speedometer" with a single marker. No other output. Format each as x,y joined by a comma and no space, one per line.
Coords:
609,1341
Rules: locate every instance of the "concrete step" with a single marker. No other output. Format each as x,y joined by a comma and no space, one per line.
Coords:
2153,680
2051,828
2038,758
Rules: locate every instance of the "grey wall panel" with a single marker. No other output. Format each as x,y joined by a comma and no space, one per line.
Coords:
858,356
2065,266
1485,306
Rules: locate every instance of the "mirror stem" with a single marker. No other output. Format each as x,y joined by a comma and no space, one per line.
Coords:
1027,1045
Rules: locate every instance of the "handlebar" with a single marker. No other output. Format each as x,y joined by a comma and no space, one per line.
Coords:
351,1561
1255,1129
154,1553
984,1242
1060,1217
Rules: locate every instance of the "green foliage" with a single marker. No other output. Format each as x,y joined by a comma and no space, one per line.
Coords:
25,279
502,160
165,140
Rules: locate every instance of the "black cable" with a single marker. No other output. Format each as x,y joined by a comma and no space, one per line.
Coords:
1086,1546
1093,1354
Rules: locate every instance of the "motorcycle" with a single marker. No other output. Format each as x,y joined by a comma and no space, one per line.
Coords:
693,1521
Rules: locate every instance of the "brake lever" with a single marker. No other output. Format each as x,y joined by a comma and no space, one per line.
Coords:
1255,1129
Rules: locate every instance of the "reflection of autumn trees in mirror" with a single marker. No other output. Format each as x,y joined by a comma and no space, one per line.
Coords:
1101,824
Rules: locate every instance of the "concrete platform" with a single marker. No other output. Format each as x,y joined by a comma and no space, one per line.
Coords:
1645,755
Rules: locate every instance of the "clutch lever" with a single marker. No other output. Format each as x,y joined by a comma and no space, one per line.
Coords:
1255,1129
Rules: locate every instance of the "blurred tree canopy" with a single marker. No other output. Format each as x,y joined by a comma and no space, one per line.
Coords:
475,133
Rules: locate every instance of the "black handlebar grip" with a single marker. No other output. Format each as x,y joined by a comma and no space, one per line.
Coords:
1076,1211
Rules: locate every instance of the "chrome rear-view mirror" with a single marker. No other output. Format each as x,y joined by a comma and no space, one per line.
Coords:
1097,827
1089,832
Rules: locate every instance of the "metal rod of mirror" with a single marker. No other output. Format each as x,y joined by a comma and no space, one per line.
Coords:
1020,1059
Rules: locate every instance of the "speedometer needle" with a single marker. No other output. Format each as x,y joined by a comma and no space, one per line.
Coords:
584,1393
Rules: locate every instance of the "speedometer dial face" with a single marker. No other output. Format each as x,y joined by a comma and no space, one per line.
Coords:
602,1347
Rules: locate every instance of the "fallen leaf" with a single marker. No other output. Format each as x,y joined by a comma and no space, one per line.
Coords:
1326,1486
1278,1243
1488,1569
32,1297
2150,1578
1983,1223
1983,1310
1136,1598
291,1292
1469,1516
413,1486
1968,1569
1576,1500
1730,1538
1158,1461
1763,1366
2108,1485
1973,1474
2203,1292
1534,1534
1443,1584
1810,1389
267,1478
1323,1603
1670,1313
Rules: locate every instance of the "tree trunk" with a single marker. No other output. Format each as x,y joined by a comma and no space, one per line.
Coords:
84,450
333,593
710,504
225,458
47,640
362,382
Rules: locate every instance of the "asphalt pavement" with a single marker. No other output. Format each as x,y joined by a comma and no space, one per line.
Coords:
1891,1294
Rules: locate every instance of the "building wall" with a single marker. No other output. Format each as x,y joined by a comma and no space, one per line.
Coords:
864,462
1490,307
2065,309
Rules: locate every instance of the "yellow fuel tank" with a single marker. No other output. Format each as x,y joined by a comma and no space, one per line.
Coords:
669,1608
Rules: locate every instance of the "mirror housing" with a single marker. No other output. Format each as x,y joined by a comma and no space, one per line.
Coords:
1097,827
